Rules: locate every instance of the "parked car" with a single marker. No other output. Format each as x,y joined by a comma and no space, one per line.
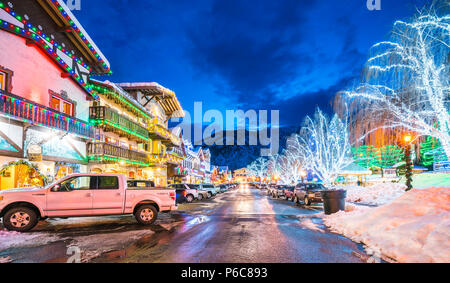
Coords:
190,194
289,192
211,187
80,195
271,189
308,193
223,188
201,194
277,191
210,191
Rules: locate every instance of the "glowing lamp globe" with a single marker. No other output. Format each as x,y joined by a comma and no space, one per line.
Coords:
407,138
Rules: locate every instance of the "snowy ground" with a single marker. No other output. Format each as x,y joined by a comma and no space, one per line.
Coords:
92,236
426,180
374,195
111,233
386,192
412,228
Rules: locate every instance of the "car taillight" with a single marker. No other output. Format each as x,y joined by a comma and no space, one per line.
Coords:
172,195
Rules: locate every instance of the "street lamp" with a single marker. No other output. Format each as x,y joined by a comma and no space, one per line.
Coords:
407,139
303,175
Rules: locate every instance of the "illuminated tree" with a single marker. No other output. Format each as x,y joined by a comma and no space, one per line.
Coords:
408,76
325,146
258,168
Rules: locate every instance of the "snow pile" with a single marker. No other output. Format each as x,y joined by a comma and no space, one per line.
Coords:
309,224
413,228
375,195
11,239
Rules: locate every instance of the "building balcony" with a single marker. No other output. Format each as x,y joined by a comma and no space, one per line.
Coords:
110,120
158,132
25,110
108,153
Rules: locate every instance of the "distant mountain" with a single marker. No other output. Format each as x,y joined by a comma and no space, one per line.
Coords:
239,156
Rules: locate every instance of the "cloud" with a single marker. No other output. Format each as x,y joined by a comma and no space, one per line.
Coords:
268,55
252,46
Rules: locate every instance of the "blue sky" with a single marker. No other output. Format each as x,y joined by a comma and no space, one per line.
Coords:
288,55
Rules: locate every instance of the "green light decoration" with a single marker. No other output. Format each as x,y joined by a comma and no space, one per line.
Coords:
31,32
431,151
364,155
388,156
97,122
119,160
124,101
368,156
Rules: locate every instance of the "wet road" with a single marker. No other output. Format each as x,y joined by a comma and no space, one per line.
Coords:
239,226
245,226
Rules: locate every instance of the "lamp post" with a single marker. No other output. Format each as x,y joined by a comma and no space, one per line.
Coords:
303,175
407,139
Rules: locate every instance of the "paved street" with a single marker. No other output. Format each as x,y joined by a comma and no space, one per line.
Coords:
242,226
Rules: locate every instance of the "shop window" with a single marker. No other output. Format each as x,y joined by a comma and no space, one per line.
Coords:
2,81
5,79
61,105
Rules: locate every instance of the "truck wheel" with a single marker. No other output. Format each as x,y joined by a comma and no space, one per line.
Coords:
307,201
209,195
20,219
189,198
200,197
146,214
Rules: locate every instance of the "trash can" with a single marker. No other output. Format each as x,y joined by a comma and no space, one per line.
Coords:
333,201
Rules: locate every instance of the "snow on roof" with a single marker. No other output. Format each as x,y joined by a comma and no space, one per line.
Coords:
145,85
123,93
82,30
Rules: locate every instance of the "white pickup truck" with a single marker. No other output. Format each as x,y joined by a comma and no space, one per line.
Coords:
81,195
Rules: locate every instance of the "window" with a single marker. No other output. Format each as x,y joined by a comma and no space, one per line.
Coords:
2,81
76,184
61,105
107,183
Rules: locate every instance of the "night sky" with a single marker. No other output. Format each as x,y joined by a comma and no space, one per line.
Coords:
289,55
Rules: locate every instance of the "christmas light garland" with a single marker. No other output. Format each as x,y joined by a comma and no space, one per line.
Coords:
124,101
98,122
31,32
20,108
115,159
82,36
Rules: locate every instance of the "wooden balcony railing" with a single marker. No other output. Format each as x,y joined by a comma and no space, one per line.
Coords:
26,110
103,116
158,132
111,153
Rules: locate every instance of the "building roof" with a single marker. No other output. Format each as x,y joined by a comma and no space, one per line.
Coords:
51,26
121,95
74,29
163,96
